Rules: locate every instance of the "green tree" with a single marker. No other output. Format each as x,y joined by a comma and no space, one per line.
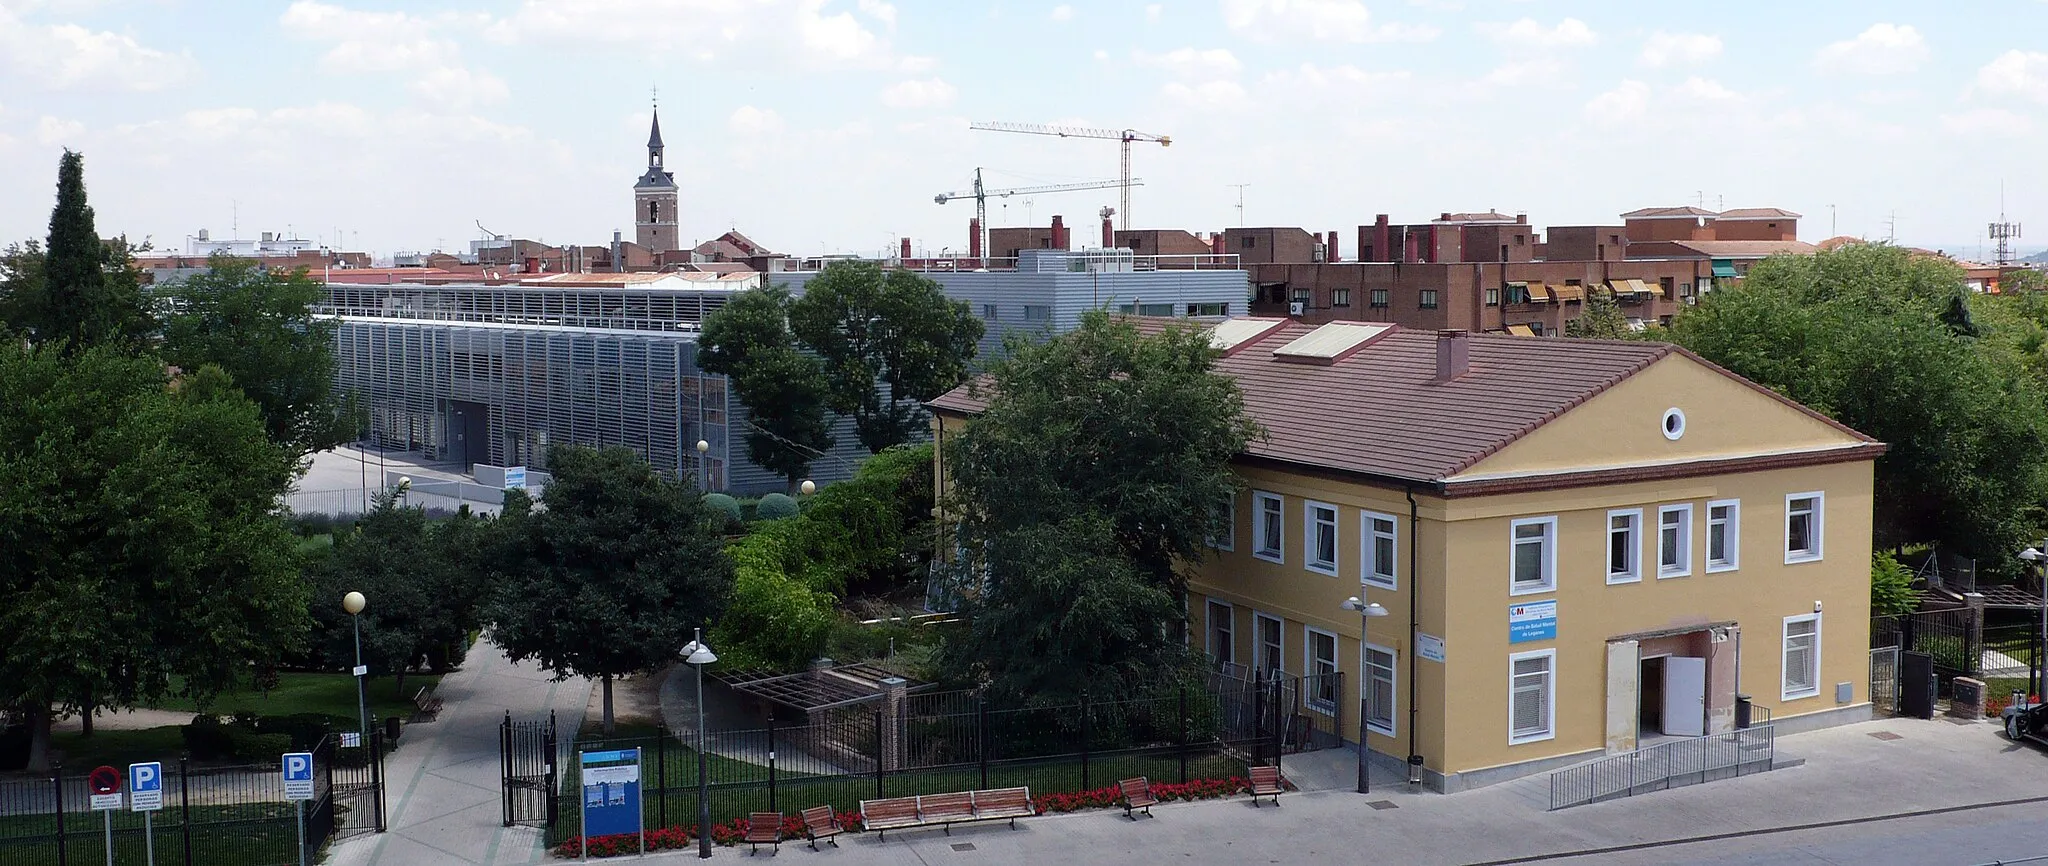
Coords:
77,289
748,341
1092,479
423,582
1891,586
774,620
258,325
1599,318
877,327
608,577
141,536
1867,335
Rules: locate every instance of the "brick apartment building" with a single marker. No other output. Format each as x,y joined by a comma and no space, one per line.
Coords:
1488,271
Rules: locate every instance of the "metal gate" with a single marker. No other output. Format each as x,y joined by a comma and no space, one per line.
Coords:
527,759
1918,685
1884,680
355,782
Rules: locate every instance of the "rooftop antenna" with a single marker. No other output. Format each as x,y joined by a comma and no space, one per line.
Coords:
2003,232
234,218
1240,201
1891,227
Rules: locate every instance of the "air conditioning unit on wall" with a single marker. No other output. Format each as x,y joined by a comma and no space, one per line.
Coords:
1294,308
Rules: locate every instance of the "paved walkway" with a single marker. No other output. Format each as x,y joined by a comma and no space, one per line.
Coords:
442,785
1849,776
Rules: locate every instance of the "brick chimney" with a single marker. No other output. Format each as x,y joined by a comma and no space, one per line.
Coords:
1330,249
1382,248
903,248
1059,233
1108,233
973,238
1453,354
1216,243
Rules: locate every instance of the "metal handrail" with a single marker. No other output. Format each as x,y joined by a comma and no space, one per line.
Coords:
1669,764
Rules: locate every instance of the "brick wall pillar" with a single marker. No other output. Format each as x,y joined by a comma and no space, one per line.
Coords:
893,690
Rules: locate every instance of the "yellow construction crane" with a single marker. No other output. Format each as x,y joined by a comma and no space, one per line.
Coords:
981,196
1126,136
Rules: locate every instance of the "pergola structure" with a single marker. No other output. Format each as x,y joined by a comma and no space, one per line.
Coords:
815,690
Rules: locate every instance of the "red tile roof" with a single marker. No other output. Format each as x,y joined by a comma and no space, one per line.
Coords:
1745,249
1758,213
1665,212
1381,412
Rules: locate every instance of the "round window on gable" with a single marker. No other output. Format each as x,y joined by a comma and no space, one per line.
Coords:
1674,423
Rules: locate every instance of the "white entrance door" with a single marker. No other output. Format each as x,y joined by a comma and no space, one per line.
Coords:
1685,696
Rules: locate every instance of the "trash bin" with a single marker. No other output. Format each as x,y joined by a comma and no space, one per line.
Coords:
391,729
1742,713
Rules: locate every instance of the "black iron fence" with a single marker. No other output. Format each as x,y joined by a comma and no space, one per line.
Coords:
1670,764
1951,636
936,743
230,816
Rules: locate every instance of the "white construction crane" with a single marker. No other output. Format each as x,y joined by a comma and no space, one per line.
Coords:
981,196
1123,135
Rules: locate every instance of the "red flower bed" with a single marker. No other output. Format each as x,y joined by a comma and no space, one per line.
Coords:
1994,706
1110,797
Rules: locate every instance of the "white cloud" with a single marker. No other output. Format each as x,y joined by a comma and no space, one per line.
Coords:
64,56
913,64
1101,54
928,93
747,120
747,29
1543,71
1192,62
1626,103
1883,49
1152,12
1705,90
364,41
1673,49
1526,33
459,89
1351,79
1988,122
1207,95
1062,13
2017,73
880,11
56,131
1324,20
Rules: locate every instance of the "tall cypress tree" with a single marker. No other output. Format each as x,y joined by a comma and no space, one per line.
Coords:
85,292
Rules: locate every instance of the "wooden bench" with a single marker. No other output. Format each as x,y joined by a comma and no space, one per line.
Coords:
821,825
1137,794
1266,782
763,828
426,704
945,810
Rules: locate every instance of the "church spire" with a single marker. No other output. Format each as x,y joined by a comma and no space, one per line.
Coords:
654,135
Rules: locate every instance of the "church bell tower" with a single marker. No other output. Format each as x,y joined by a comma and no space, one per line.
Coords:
654,198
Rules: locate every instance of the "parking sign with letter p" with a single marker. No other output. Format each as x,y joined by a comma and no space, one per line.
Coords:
145,787
298,775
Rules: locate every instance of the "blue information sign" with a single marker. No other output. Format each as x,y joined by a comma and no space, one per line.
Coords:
1534,621
611,792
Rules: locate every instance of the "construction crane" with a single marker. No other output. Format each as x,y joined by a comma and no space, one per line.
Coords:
981,195
1123,135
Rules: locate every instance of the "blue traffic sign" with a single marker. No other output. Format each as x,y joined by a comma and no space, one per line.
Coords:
146,777
298,766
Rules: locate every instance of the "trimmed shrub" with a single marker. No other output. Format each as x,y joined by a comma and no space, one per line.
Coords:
725,505
776,506
1891,586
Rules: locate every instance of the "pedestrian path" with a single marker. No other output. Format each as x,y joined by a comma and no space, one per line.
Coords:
442,791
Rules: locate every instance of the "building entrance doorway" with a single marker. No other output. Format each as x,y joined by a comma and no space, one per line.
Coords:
1672,697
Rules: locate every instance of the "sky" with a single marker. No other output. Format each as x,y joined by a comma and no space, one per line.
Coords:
829,125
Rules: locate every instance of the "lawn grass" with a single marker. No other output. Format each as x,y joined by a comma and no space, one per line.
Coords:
330,694
677,804
247,835
117,748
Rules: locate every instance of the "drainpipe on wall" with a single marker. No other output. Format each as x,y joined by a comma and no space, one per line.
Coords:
1414,629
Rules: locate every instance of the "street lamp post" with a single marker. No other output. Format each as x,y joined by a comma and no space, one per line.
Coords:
699,655
703,481
1366,613
404,490
808,487
2037,668
353,603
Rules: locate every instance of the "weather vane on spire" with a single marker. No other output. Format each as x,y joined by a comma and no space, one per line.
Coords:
655,92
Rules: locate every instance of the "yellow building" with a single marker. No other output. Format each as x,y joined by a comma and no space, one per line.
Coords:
1579,544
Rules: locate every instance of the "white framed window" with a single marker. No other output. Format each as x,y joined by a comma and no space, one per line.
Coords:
1532,696
1269,642
1227,539
1379,689
1320,664
1533,542
1319,537
1379,549
1625,545
1805,514
1802,656
1270,520
1222,647
1724,535
1674,541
